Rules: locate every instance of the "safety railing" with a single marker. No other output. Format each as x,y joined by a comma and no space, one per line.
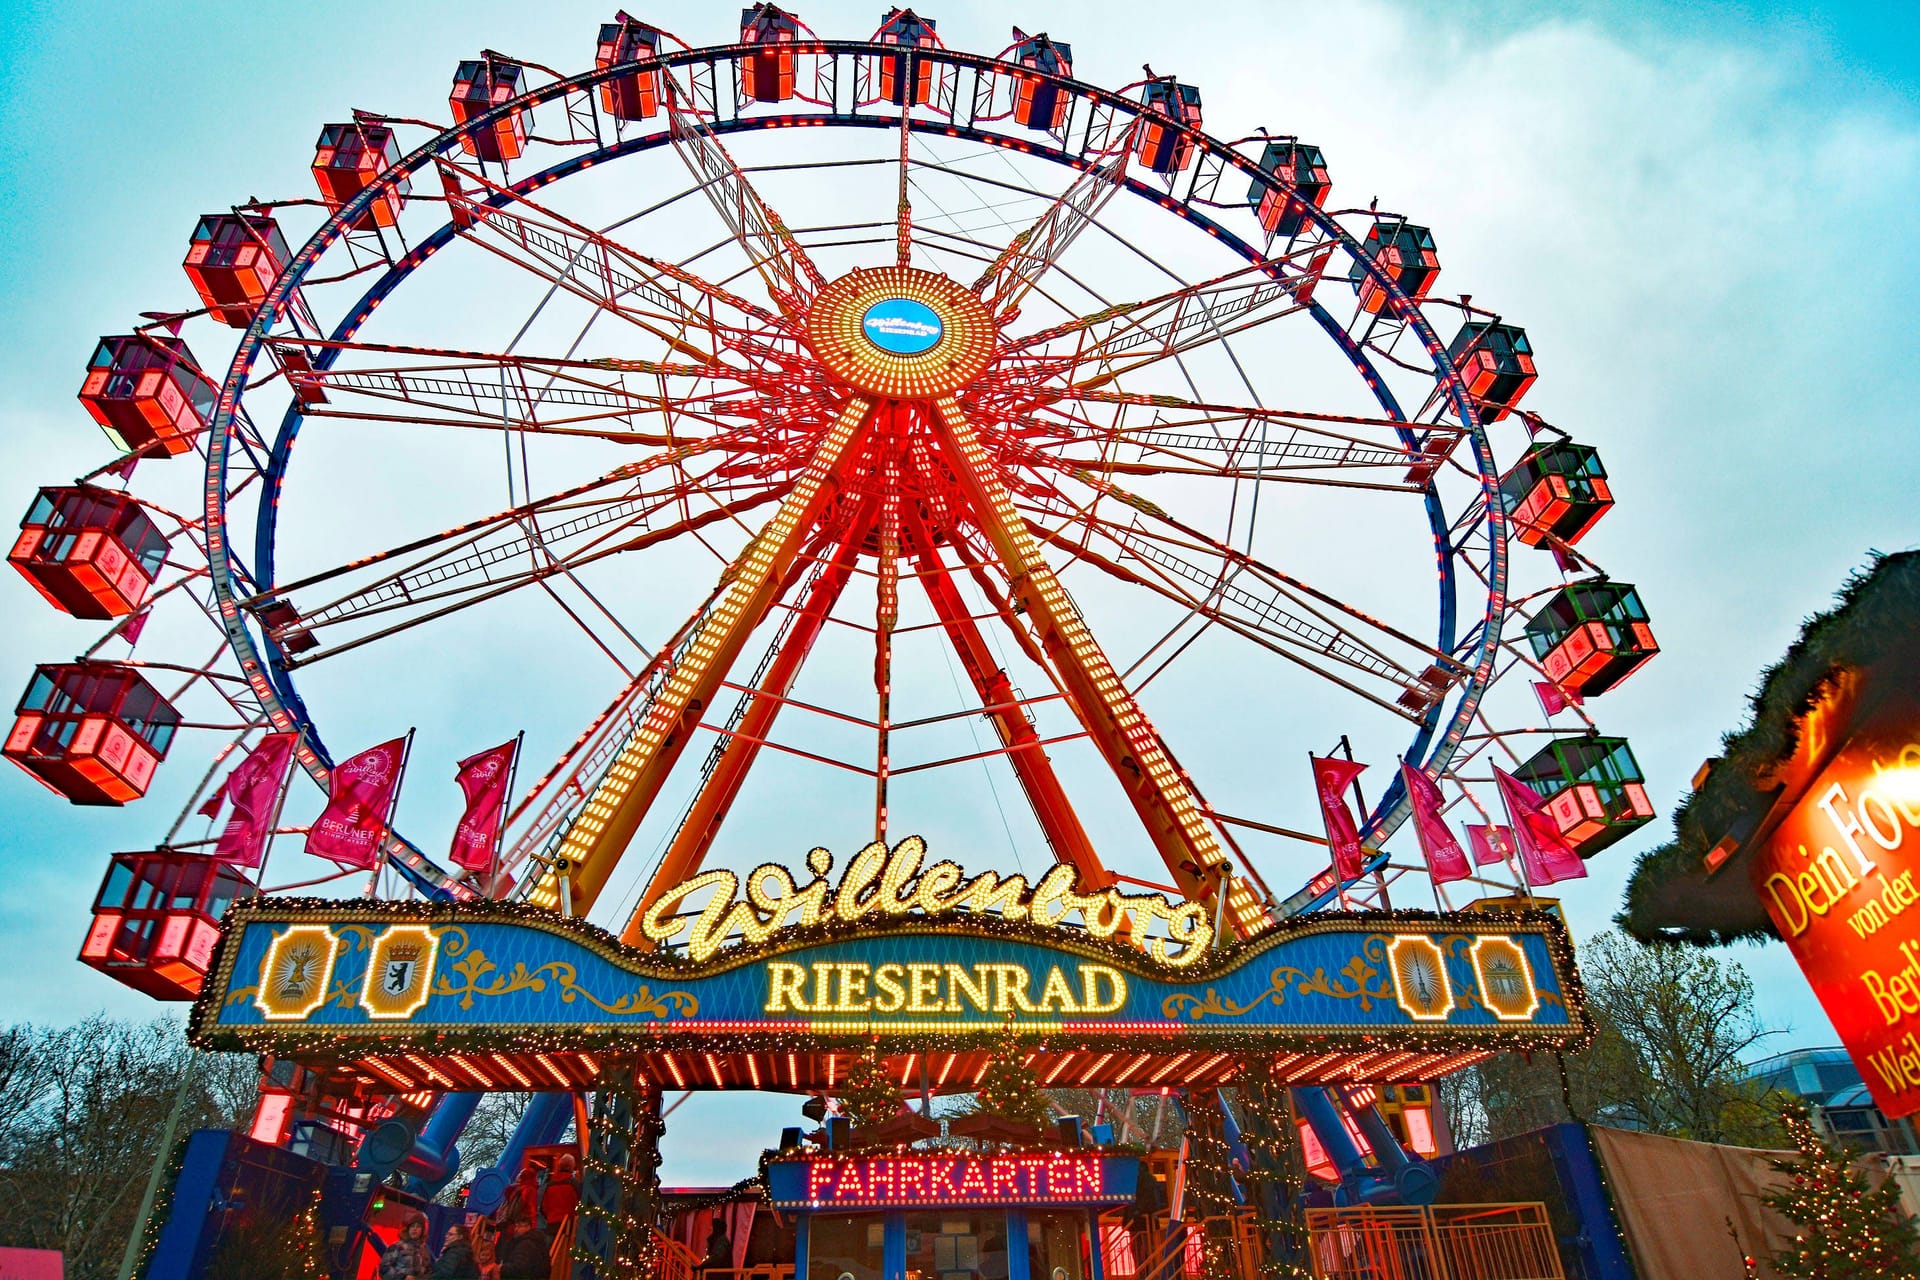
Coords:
1440,1242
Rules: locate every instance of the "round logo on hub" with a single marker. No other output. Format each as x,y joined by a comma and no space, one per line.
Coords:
901,326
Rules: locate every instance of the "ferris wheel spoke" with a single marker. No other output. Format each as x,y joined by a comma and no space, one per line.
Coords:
1092,351
1162,794
1019,740
498,554
694,318
747,729
1168,436
1256,601
776,255
599,832
1033,252
519,393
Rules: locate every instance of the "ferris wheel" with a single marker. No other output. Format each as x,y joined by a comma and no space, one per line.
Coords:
1044,464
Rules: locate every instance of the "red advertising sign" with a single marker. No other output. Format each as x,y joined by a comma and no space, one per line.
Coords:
1840,877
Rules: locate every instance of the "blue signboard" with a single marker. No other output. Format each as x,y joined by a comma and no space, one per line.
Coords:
952,1180
296,972
901,326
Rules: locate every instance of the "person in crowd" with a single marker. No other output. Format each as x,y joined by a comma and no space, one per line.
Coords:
456,1257
562,1192
408,1257
525,1250
719,1259
484,1240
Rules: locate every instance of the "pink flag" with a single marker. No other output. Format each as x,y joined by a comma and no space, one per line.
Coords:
1330,779
483,778
251,793
1544,852
1553,699
1445,861
360,797
130,629
1490,845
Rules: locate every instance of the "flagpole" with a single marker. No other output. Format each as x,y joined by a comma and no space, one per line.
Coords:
1333,855
1519,858
386,823
1360,798
506,804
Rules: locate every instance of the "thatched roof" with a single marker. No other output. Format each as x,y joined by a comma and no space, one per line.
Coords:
1875,628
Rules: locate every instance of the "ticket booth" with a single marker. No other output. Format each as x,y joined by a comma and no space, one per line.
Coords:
951,1216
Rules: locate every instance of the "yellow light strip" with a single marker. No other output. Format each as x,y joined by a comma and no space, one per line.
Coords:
716,631
1022,552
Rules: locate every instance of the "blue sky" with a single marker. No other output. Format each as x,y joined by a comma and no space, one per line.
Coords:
1699,212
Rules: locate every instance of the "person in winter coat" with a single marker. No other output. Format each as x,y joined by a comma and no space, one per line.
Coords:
456,1257
408,1257
525,1250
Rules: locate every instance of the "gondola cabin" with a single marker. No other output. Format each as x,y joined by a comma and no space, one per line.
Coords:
148,393
233,260
1557,490
157,918
1593,788
639,95
1302,172
1038,104
478,87
766,74
92,731
1405,253
1591,635
907,29
347,160
1157,145
93,553
1496,362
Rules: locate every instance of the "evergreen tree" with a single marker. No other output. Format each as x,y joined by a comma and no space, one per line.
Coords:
1010,1090
1847,1228
867,1096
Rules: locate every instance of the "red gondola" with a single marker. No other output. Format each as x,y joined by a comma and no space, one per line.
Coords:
904,27
479,86
92,731
1159,147
1302,171
1038,104
147,391
632,97
1496,361
1558,490
93,553
766,74
347,160
232,261
1591,635
1406,253
157,919
1593,788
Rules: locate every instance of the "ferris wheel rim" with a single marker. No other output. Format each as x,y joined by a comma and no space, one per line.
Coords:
262,662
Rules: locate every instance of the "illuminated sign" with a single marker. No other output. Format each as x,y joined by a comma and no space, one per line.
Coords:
482,977
879,883
946,1181
902,326
1838,877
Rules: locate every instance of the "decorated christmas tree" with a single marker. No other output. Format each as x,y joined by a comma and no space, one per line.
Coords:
1846,1227
1009,1091
867,1097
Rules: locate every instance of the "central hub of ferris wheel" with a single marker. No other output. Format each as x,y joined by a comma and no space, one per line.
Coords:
900,333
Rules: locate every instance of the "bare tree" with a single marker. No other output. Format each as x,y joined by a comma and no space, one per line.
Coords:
1674,1028
82,1111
